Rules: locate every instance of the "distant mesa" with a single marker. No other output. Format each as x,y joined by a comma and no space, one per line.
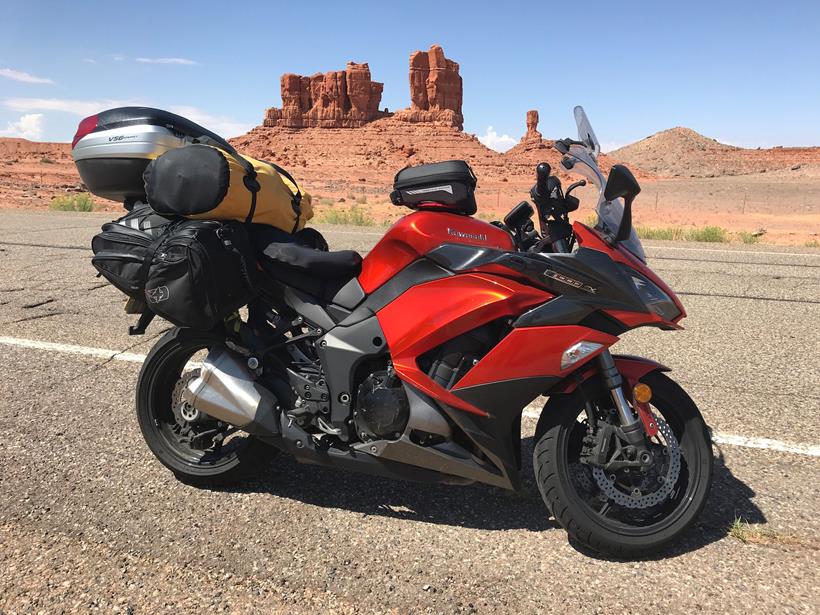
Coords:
350,98
338,99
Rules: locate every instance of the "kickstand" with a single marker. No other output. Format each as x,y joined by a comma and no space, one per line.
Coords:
142,324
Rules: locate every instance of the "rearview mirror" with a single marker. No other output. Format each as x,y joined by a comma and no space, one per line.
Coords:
622,184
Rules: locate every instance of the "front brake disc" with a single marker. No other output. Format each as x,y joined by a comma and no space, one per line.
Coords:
644,500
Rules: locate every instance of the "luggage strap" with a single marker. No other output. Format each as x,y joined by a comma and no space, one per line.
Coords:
250,181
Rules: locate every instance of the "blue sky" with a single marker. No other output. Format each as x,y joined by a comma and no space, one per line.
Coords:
744,72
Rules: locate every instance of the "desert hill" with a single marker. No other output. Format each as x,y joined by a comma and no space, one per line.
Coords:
682,152
12,148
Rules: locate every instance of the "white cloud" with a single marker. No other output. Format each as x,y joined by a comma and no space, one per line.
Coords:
19,75
77,107
90,60
28,127
221,125
117,58
611,146
183,61
493,140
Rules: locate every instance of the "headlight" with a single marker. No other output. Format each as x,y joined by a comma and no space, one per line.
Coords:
654,298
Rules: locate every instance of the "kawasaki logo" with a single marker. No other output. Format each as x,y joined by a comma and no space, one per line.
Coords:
463,235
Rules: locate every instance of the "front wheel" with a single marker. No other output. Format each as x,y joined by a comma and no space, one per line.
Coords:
625,513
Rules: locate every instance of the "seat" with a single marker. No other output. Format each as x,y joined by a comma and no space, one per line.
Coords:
292,258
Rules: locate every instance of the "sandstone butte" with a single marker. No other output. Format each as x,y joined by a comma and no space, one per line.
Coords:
350,98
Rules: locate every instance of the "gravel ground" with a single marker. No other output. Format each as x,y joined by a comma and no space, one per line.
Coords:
90,521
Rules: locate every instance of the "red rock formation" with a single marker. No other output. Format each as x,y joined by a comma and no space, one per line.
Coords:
435,90
337,99
532,127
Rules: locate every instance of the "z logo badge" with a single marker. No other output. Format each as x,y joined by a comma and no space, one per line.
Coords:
158,294
559,277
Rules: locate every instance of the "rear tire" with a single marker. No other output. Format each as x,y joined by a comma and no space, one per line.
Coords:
243,457
555,460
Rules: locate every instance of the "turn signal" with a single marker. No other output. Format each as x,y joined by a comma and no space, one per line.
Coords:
642,393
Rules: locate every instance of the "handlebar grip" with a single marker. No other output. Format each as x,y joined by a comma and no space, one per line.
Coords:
542,173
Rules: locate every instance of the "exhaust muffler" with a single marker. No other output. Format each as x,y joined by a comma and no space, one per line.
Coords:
225,390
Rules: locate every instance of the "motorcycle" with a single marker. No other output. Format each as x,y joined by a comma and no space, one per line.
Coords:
417,362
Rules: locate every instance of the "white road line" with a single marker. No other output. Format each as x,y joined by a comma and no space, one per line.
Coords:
809,450
100,353
655,247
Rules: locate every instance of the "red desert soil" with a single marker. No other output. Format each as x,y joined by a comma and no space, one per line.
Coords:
358,164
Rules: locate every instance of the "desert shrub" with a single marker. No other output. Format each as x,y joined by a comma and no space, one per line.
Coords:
361,199
713,234
46,161
708,234
72,202
355,216
652,232
746,237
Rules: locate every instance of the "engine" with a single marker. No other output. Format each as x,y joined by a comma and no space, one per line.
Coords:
382,409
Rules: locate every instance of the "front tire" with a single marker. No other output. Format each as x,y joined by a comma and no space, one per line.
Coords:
571,493
239,458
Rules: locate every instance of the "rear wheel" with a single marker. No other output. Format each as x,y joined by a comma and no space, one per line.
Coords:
199,450
625,513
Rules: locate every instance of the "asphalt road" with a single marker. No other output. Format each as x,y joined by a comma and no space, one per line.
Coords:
89,520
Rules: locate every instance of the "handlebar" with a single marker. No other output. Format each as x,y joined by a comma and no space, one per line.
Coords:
542,174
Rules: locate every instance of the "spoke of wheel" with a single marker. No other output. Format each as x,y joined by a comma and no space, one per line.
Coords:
605,508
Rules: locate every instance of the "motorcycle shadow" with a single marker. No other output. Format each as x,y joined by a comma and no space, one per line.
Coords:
481,506
474,506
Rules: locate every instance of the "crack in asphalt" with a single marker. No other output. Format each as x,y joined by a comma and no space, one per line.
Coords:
36,317
38,304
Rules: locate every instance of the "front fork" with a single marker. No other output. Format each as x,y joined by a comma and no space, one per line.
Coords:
631,425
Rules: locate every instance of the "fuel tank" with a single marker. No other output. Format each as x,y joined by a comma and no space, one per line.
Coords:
415,235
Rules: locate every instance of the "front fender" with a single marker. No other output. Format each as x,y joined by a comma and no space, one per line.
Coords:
632,369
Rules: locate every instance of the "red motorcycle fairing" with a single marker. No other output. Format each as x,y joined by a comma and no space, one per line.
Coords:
631,368
533,352
418,233
452,306
588,238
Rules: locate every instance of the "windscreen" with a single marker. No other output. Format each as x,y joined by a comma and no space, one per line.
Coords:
585,132
584,161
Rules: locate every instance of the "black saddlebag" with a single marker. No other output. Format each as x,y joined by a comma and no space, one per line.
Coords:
201,272
443,186
193,273
125,246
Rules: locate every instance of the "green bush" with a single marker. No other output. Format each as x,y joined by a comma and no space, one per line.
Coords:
747,237
712,234
72,202
709,234
669,233
355,216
